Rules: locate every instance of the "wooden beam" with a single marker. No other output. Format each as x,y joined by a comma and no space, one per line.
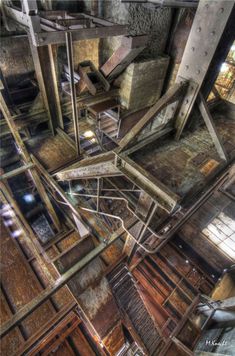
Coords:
203,107
169,97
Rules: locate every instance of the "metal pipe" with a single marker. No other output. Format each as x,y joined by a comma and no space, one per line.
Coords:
69,48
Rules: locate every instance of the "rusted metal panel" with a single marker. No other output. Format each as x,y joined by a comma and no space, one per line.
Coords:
81,343
52,151
16,275
130,47
14,339
114,340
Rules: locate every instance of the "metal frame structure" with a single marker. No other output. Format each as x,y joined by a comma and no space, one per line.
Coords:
49,27
209,23
54,28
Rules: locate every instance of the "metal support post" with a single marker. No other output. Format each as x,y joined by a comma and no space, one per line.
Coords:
69,47
203,107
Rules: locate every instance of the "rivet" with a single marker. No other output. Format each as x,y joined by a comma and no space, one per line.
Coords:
192,88
205,53
187,66
199,29
198,71
221,10
193,49
41,40
186,101
212,33
182,114
207,6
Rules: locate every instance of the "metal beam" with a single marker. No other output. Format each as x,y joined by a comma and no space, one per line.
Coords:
16,171
167,3
45,70
208,26
158,191
93,167
26,157
211,127
130,47
172,95
101,28
69,47
59,283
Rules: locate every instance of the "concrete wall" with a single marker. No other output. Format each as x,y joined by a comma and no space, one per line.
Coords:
141,19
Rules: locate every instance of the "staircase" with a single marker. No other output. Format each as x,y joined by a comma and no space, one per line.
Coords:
127,296
109,127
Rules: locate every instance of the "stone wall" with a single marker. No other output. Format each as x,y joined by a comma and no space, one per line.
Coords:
141,83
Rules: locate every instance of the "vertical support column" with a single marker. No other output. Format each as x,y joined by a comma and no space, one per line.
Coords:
207,29
69,47
211,128
45,69
26,157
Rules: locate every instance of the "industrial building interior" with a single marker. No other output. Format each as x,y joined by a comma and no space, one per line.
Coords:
117,178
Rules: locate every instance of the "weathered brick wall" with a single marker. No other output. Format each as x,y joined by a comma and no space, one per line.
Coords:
141,83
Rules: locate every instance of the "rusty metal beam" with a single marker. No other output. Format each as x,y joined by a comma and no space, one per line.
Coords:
15,172
59,283
26,156
102,165
99,28
45,69
158,191
69,48
205,112
172,95
208,26
130,47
